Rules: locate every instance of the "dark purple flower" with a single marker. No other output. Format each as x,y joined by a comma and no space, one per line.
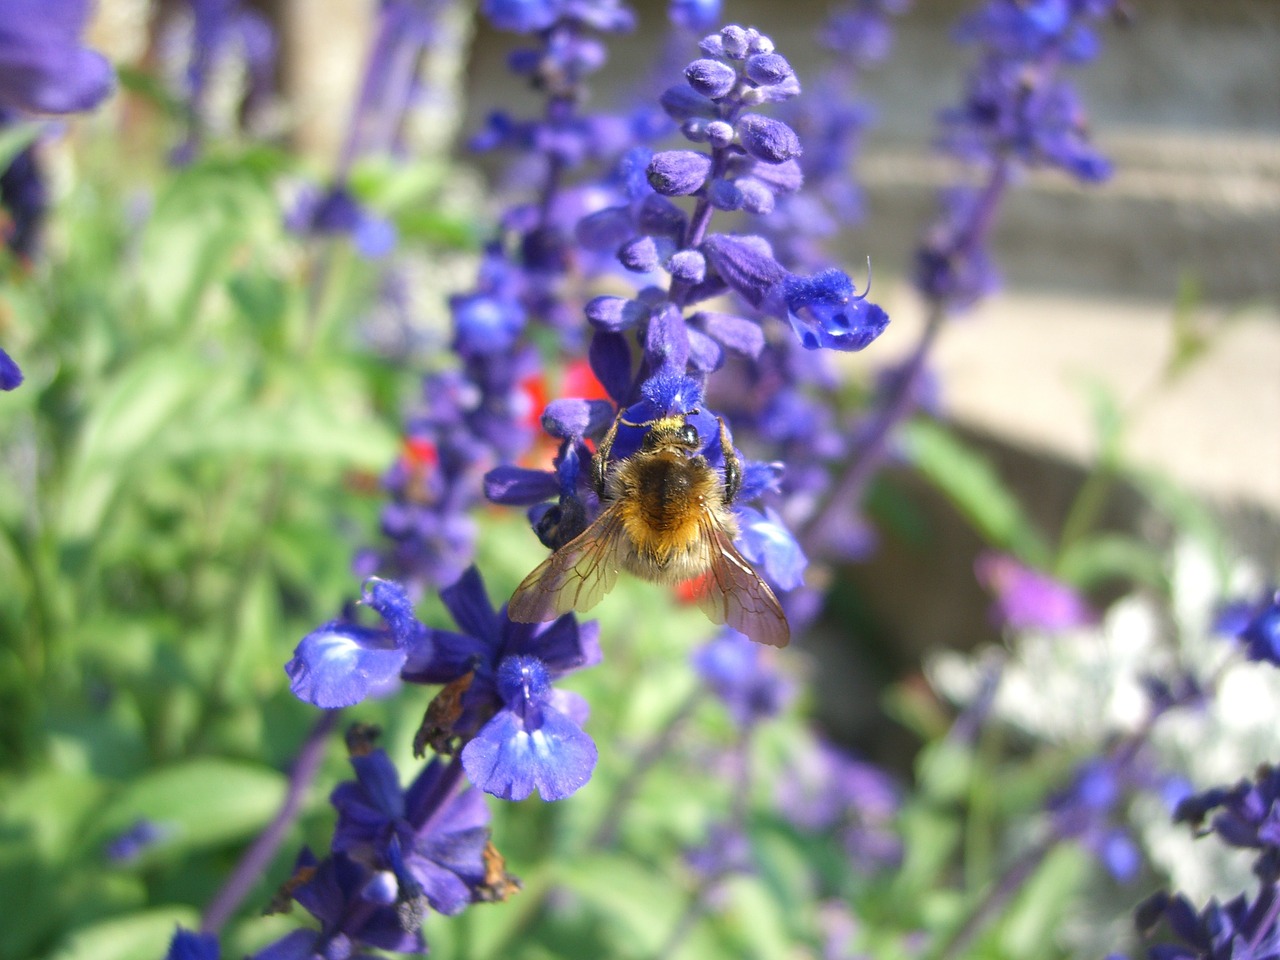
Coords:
1248,816
1027,599
10,372
337,212
187,945
431,837
1243,928
127,847
354,909
1256,625
25,198
44,68
341,663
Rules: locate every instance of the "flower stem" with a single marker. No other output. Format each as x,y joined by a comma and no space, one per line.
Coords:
263,850
607,833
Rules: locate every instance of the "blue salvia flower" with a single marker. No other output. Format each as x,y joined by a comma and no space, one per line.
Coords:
44,66
825,789
498,709
1245,927
356,907
342,662
131,844
187,945
1247,815
1256,625
1087,811
430,837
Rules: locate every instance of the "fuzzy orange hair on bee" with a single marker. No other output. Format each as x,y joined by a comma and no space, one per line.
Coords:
666,519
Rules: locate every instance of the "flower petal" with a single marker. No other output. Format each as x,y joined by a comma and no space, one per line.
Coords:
339,664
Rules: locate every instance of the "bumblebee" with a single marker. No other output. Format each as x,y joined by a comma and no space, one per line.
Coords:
666,519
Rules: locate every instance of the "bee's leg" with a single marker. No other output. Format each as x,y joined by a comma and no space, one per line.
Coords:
600,462
732,464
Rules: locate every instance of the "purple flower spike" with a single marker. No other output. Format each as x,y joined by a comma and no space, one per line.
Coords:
44,68
678,173
529,744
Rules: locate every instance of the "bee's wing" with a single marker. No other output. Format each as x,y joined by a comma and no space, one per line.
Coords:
732,592
575,577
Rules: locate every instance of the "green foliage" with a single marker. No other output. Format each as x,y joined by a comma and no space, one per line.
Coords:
175,514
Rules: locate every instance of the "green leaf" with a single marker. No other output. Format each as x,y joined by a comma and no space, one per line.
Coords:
969,481
139,403
946,770
930,839
200,803
1110,556
143,934
639,905
1047,898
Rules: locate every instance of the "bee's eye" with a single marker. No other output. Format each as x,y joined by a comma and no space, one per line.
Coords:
689,435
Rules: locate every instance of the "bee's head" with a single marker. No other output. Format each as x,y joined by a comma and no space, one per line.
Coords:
671,432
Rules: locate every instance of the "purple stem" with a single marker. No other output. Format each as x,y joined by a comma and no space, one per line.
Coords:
869,457
259,856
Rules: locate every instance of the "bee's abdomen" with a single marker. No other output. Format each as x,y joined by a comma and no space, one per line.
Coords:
667,495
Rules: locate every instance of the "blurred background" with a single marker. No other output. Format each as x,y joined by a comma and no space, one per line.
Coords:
1185,100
